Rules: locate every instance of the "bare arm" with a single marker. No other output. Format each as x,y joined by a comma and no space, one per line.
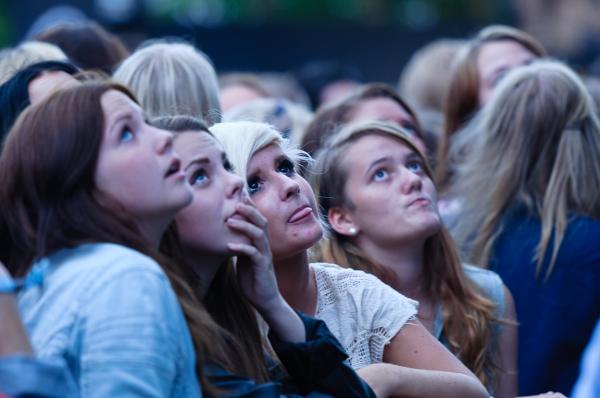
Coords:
14,338
507,381
426,368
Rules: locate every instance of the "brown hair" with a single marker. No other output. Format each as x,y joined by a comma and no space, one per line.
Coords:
462,96
48,198
87,44
240,339
468,316
535,145
331,118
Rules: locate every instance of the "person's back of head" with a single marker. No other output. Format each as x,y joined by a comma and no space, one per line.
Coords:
424,80
172,78
87,44
15,93
25,54
535,145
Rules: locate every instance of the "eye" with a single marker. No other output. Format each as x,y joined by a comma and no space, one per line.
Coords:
199,177
227,165
380,175
410,128
286,166
415,166
254,185
126,134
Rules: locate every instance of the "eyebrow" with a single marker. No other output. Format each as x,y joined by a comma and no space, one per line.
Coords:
377,162
203,160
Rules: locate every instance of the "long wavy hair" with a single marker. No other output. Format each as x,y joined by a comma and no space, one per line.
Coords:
468,316
49,200
462,95
536,145
241,340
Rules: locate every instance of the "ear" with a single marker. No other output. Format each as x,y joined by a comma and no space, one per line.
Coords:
341,221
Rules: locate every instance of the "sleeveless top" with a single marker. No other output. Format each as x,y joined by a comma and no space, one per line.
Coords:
361,311
490,284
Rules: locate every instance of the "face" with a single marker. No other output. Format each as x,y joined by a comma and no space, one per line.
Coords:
137,165
48,82
237,95
286,200
386,110
495,60
392,200
216,190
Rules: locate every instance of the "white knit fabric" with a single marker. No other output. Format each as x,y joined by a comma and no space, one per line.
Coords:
361,311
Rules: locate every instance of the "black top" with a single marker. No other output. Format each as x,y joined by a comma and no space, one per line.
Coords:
317,368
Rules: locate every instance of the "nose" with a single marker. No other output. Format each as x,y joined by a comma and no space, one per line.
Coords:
411,182
163,141
289,187
234,186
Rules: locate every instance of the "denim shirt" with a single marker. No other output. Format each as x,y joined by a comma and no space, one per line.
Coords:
110,313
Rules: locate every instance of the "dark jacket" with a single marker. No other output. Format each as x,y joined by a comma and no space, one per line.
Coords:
317,368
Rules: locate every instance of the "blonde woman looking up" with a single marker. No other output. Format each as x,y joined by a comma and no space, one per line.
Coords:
377,194
172,78
531,189
374,323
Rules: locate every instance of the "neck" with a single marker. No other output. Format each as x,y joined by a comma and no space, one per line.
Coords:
204,266
404,260
296,282
153,230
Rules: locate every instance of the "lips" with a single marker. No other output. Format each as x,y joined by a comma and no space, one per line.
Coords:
421,201
300,213
174,167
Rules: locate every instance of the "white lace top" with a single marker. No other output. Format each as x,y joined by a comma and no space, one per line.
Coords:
361,311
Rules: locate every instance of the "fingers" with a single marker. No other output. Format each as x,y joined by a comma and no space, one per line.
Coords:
252,214
244,249
256,235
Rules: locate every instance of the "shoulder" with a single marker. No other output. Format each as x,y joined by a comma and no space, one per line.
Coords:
490,284
96,262
336,281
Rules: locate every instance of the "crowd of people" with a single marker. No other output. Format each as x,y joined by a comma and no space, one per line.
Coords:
170,231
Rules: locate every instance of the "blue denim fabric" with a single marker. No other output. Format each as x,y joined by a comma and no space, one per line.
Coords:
110,313
22,376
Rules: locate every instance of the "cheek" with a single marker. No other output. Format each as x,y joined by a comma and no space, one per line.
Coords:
196,221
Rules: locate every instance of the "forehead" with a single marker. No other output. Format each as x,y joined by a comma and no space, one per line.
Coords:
501,53
114,101
380,109
370,146
264,157
192,144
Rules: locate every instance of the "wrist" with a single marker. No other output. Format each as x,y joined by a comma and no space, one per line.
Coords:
8,285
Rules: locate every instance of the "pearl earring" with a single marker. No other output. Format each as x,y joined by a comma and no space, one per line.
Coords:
352,231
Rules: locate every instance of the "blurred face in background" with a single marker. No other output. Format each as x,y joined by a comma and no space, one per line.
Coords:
387,110
495,60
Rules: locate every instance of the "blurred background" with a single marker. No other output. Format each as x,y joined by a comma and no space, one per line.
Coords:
377,37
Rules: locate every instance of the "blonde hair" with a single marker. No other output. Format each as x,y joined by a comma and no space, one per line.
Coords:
288,118
468,316
535,144
172,78
25,54
462,95
241,140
